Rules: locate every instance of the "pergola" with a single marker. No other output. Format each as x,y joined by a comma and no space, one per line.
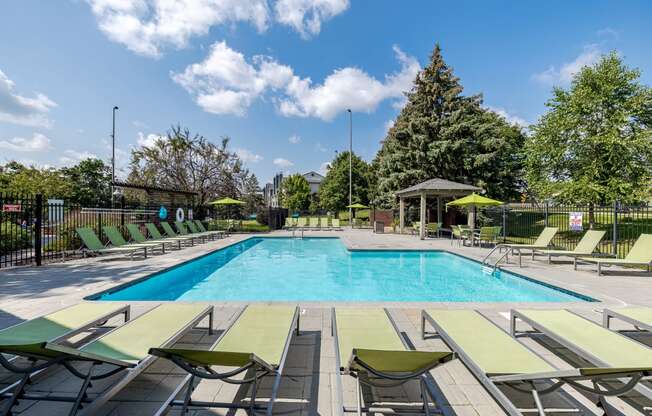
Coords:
437,187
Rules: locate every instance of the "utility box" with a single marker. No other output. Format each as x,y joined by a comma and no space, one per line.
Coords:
379,227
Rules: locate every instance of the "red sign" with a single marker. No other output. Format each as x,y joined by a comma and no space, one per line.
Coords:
11,208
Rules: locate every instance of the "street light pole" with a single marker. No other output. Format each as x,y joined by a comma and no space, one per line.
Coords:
113,154
350,165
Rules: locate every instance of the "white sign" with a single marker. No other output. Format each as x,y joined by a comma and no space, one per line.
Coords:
575,221
180,215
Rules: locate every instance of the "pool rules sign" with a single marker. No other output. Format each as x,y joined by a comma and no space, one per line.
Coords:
575,221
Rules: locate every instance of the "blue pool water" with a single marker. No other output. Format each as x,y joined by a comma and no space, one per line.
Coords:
322,269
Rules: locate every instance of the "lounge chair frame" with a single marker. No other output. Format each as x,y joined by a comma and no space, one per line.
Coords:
608,314
631,384
81,401
490,383
426,387
260,367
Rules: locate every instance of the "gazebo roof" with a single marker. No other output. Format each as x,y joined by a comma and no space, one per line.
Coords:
438,187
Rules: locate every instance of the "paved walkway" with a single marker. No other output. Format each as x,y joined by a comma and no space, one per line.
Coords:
308,388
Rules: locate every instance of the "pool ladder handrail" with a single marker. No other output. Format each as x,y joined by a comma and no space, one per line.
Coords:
495,265
294,230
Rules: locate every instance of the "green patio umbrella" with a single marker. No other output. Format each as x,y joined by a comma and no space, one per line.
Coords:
474,201
227,202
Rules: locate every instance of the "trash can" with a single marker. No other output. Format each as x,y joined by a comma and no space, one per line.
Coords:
379,227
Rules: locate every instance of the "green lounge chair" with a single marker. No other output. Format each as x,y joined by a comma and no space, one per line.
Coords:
155,235
195,230
501,363
625,358
169,231
302,222
585,247
116,239
289,223
543,241
323,223
124,350
313,223
641,318
139,237
639,255
202,229
182,230
335,222
92,244
369,347
257,339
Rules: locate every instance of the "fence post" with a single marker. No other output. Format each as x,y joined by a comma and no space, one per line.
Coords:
614,233
99,223
504,225
545,213
38,244
122,212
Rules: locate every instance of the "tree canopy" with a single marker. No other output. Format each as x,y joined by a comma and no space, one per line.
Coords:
90,182
334,190
441,133
190,162
295,193
594,145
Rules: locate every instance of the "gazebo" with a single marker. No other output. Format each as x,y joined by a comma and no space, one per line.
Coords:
437,187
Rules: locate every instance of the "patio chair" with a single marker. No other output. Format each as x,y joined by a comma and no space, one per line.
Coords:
124,350
323,223
369,347
302,222
289,223
461,233
608,351
139,237
585,247
202,229
182,230
543,241
487,235
195,230
117,240
639,255
169,231
501,363
335,223
433,228
92,244
257,340
155,235
640,318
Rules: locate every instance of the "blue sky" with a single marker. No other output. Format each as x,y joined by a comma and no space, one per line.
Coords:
277,75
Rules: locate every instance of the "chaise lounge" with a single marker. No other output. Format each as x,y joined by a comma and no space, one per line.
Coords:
639,255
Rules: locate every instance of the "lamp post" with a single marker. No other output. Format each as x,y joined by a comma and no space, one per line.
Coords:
350,165
113,154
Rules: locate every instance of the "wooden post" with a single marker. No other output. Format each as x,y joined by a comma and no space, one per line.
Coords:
439,220
401,214
422,217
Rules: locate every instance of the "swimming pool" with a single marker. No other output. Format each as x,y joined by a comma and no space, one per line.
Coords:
322,269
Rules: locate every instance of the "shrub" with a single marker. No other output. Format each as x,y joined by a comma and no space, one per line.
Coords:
13,237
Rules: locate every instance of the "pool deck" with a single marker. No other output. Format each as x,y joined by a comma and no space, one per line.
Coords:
308,388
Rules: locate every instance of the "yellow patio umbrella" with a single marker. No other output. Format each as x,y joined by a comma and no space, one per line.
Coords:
356,206
474,201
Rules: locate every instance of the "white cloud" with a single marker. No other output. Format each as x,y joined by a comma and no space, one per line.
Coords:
323,168
72,157
248,156
320,148
294,139
388,124
225,83
283,163
306,16
37,143
148,26
511,118
149,140
564,74
19,109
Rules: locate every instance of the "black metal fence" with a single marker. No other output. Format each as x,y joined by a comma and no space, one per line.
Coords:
34,230
522,223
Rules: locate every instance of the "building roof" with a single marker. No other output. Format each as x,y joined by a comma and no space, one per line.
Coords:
313,176
438,187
